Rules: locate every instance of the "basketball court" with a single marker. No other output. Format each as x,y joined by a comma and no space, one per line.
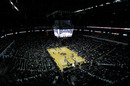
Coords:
65,58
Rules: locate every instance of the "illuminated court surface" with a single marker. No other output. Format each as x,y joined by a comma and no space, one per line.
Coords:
64,57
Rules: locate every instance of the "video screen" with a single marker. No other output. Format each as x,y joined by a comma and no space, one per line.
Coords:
63,32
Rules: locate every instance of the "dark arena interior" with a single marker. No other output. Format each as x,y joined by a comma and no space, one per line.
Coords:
65,42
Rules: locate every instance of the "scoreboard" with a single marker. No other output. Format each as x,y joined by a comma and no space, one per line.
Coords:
63,28
63,32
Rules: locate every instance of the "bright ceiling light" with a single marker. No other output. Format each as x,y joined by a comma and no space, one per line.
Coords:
14,5
101,5
117,1
11,2
108,3
16,8
78,11
90,7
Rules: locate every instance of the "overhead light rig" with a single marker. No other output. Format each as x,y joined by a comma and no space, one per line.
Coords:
100,5
13,5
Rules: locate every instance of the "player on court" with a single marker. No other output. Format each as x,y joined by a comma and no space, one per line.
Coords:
65,59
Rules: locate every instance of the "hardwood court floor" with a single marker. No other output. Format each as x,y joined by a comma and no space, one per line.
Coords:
62,60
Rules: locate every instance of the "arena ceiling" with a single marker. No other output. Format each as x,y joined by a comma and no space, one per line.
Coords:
40,12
